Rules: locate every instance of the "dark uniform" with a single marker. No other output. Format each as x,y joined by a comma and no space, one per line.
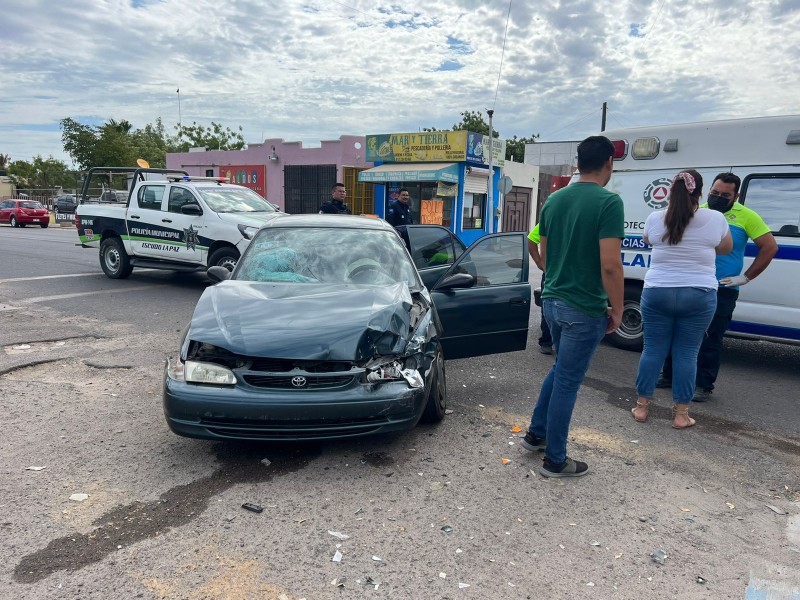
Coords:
398,214
334,207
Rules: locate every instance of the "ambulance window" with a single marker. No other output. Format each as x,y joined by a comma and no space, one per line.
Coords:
776,198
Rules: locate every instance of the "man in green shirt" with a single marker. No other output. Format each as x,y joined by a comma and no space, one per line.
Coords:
581,229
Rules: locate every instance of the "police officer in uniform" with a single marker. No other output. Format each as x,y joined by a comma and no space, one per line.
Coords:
335,205
399,212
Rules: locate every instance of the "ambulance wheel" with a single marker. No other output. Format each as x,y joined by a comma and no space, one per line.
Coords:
114,260
224,257
630,335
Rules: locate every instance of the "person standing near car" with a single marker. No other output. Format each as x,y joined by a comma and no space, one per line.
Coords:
680,292
545,340
744,224
335,205
581,229
399,212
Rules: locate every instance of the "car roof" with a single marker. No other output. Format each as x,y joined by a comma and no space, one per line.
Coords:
330,221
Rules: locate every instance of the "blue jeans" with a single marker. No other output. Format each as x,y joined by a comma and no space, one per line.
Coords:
575,338
675,321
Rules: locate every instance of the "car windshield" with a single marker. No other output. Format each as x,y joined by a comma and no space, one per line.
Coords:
234,200
327,255
30,204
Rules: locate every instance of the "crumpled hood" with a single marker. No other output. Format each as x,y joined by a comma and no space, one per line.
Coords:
303,321
251,219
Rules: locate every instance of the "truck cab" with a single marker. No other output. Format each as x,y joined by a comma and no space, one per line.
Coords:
169,220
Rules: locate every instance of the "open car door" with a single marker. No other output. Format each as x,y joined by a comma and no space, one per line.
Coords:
484,299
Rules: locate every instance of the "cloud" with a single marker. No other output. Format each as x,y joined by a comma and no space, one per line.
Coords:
315,69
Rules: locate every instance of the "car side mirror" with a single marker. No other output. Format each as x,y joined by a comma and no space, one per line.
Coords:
456,280
217,273
191,209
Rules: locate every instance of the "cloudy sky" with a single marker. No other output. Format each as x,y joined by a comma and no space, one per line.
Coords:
315,69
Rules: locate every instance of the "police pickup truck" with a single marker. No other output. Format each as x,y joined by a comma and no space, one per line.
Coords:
167,219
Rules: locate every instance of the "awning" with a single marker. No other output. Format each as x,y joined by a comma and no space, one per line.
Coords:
447,172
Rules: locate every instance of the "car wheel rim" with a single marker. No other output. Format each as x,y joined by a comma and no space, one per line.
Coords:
112,259
227,262
631,324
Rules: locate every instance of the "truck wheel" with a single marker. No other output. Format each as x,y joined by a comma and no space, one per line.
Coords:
630,335
224,257
114,260
436,403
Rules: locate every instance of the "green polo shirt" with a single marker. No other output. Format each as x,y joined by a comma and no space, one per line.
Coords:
574,220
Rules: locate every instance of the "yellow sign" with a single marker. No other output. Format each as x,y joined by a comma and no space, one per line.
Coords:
432,146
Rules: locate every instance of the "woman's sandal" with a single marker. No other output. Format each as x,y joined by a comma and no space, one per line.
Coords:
642,408
681,410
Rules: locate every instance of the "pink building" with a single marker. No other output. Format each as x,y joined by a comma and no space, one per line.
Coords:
295,178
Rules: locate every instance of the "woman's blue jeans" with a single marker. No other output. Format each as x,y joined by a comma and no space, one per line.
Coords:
675,321
575,338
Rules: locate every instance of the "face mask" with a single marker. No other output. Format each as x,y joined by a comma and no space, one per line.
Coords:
719,203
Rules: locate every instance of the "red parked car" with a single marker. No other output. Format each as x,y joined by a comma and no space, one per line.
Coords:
23,212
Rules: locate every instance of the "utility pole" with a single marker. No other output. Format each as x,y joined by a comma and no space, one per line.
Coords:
490,196
180,121
603,123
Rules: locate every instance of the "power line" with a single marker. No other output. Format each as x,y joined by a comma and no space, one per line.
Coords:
502,55
575,122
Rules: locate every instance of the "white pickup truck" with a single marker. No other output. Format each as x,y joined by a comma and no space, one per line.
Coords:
167,220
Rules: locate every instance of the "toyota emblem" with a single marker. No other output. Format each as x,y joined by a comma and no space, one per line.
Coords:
299,381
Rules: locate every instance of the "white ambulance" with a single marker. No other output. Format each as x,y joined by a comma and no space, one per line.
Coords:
765,154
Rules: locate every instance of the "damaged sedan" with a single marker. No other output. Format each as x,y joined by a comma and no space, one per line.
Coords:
325,329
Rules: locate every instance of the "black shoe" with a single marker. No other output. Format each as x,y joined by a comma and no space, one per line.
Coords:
533,442
546,349
663,382
569,468
701,394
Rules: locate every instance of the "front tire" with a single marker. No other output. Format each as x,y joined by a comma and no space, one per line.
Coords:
630,335
437,397
114,260
224,257
13,221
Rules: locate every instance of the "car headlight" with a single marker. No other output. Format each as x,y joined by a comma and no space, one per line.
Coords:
200,372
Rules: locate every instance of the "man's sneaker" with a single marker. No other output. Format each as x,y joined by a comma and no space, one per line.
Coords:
663,382
569,468
533,442
546,349
701,394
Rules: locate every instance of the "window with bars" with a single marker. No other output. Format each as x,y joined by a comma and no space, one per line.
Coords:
306,187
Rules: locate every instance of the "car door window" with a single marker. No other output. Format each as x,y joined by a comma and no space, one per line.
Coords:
178,197
150,196
432,246
776,198
494,261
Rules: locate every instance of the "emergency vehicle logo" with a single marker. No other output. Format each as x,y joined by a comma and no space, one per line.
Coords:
190,237
656,193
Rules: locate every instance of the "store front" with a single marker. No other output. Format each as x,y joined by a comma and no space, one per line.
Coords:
446,174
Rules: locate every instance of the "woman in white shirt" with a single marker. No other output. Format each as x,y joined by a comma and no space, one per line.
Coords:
679,296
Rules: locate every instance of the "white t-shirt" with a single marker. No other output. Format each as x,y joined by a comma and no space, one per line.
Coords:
691,262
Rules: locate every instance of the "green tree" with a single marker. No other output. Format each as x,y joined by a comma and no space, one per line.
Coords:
103,146
515,147
213,138
472,120
41,173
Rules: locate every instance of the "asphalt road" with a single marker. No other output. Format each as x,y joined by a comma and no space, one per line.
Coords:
163,517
